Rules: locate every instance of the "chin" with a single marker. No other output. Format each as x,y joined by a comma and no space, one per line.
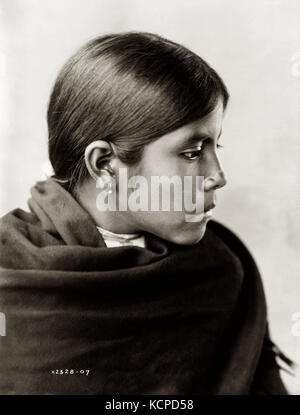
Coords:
189,237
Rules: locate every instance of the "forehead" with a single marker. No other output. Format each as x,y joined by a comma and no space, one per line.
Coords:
208,126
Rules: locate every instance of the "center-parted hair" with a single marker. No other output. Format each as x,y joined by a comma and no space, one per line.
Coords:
128,89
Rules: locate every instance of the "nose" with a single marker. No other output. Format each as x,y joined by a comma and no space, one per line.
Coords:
216,181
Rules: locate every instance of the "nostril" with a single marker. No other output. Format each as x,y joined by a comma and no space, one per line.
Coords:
215,182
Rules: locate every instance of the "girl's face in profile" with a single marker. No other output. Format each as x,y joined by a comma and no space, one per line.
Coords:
188,151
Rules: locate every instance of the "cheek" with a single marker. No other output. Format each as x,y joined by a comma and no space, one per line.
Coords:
186,189
161,163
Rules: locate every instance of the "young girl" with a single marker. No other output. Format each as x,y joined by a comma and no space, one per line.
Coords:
103,290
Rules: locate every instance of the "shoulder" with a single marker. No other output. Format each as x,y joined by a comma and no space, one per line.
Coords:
20,236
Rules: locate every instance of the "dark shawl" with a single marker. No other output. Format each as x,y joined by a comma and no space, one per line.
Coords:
167,319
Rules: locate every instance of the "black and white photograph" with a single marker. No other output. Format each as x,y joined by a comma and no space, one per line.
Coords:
149,200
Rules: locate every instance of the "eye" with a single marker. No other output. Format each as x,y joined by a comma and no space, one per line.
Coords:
192,155
197,154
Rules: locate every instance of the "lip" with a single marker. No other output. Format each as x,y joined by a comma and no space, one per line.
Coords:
210,207
208,214
205,214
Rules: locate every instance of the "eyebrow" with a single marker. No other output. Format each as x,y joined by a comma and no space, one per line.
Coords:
196,137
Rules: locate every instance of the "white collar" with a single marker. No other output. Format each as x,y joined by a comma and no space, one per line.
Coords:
112,239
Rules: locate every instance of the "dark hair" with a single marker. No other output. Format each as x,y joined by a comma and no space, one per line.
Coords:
129,89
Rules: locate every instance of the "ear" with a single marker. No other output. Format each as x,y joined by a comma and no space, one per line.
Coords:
97,156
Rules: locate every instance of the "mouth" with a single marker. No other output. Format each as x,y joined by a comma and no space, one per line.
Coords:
209,208
203,216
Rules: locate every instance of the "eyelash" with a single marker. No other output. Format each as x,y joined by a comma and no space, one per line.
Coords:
197,151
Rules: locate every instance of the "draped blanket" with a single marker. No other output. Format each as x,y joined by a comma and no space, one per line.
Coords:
82,318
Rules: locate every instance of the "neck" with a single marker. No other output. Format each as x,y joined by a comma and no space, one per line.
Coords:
113,221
